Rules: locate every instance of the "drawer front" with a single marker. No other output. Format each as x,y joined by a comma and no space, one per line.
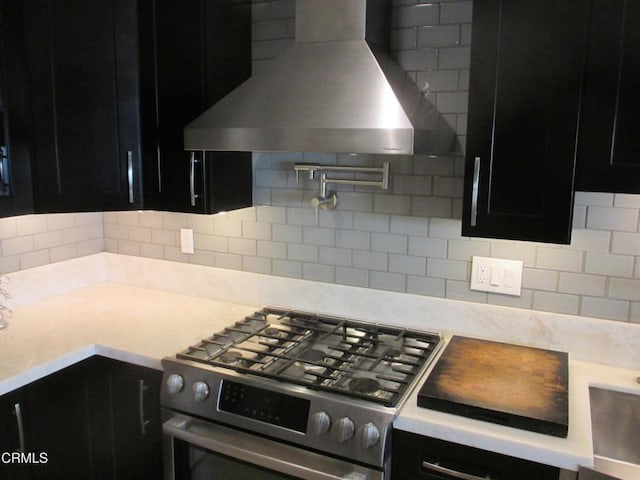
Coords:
417,457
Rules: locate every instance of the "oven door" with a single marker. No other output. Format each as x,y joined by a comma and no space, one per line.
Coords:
195,450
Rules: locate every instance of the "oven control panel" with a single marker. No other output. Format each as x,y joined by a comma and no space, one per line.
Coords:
264,405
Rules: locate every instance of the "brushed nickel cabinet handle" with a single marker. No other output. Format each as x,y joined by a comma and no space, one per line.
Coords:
192,178
130,174
18,412
434,467
474,192
143,423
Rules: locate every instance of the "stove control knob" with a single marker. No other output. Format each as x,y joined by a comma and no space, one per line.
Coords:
175,383
200,391
320,422
344,429
370,435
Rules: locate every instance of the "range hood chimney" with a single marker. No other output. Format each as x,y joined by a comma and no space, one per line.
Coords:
334,90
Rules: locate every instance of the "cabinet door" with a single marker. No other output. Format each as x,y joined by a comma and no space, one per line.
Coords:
137,429
13,435
82,58
609,146
16,195
196,52
68,417
526,66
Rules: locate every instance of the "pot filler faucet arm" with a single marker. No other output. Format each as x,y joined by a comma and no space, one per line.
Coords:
328,199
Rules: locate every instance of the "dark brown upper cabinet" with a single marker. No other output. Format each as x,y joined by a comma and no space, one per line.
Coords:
83,65
194,52
113,83
609,139
524,101
16,195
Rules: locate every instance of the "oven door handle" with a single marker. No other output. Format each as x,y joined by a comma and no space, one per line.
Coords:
263,452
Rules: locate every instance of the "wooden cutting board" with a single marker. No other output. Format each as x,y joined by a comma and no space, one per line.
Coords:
512,385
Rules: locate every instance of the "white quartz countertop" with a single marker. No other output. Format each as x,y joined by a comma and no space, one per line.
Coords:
140,310
133,324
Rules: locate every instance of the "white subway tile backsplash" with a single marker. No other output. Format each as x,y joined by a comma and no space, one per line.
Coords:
624,289
418,60
243,246
407,264
605,308
625,243
594,199
591,240
609,264
438,36
449,269
393,282
389,243
556,302
454,58
367,259
559,259
582,284
626,200
287,268
417,15
433,287
269,249
538,279
317,272
265,231
352,239
428,247
609,218
354,277
455,12
17,245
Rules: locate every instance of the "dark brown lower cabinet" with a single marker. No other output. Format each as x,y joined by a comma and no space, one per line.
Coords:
415,457
13,436
137,431
98,419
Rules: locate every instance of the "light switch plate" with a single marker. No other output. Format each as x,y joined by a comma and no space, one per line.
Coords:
186,240
496,275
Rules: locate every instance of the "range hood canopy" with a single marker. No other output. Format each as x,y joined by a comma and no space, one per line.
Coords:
334,90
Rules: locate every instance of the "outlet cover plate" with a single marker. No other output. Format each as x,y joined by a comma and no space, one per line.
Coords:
496,275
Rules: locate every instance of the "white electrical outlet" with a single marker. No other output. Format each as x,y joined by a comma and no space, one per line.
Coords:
496,275
186,240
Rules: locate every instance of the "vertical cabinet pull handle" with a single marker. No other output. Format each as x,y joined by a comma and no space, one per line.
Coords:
192,178
474,192
130,174
18,412
143,423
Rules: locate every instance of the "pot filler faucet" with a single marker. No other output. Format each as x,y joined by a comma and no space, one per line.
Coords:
328,199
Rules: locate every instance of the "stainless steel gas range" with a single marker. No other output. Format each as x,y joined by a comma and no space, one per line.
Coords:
290,394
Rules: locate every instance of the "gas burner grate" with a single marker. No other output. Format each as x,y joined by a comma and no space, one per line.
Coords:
321,352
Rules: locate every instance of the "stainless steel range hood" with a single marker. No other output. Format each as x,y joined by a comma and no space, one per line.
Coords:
334,90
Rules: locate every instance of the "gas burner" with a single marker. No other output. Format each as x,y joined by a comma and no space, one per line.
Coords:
230,357
312,355
394,353
364,385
